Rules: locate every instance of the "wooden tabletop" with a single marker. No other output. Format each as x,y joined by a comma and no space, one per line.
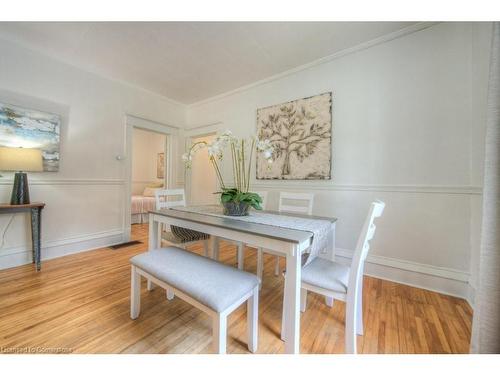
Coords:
269,231
30,205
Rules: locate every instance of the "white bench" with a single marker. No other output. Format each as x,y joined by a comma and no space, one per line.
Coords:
212,287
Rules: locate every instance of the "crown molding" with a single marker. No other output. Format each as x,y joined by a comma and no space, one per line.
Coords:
82,67
323,60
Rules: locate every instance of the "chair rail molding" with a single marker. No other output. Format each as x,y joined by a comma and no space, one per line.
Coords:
427,189
69,181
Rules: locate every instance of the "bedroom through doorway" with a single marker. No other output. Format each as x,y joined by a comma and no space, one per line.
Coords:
149,172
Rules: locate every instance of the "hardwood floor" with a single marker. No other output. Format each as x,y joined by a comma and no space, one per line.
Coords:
80,303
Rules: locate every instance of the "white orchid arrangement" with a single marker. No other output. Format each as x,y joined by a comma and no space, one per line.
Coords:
241,164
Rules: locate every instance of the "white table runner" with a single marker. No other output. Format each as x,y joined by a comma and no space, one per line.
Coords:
321,229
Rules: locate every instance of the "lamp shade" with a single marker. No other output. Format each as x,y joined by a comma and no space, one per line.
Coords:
20,159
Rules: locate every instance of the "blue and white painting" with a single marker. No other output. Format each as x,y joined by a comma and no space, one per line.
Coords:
29,128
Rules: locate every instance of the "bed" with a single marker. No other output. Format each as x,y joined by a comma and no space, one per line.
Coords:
141,205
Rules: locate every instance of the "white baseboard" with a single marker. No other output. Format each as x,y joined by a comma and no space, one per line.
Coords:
439,279
19,255
471,296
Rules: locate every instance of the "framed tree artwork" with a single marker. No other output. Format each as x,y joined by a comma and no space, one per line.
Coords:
300,132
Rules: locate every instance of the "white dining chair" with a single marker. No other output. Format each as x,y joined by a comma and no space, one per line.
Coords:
178,236
341,282
286,204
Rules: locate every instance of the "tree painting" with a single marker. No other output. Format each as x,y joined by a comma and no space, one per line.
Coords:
300,133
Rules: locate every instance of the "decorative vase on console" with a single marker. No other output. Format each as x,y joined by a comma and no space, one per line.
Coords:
237,199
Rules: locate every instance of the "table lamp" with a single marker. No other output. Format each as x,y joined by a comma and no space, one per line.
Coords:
20,160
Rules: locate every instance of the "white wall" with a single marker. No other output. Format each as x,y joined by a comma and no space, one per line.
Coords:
408,128
146,145
85,199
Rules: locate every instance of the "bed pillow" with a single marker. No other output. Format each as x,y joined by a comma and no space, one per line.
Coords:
155,185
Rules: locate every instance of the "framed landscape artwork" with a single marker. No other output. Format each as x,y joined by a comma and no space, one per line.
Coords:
160,165
300,132
29,128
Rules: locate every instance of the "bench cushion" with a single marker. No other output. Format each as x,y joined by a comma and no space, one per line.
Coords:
215,285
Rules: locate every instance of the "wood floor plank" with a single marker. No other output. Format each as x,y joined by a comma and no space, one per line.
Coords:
81,302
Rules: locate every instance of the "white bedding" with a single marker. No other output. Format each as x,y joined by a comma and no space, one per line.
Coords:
140,206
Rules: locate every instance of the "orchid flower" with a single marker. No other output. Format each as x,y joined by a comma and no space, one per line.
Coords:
238,149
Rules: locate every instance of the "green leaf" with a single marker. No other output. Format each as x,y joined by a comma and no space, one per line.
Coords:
226,198
234,195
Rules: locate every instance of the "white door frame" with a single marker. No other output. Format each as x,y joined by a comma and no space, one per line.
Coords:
189,134
171,133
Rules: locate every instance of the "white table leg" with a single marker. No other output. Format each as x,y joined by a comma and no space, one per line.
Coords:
135,293
170,294
292,298
159,231
154,239
205,248
332,243
153,233
303,300
277,266
241,255
260,265
150,285
253,320
215,247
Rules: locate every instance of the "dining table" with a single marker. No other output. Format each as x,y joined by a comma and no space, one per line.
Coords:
289,242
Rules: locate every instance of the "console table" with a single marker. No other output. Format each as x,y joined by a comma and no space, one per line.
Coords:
36,217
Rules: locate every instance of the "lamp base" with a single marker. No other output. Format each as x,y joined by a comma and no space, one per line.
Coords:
20,190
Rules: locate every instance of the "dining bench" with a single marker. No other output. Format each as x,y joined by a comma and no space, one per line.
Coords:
214,288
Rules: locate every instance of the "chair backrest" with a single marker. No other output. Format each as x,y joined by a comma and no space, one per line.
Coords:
263,195
162,198
363,246
305,208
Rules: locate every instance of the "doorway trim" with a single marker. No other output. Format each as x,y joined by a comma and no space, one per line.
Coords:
171,133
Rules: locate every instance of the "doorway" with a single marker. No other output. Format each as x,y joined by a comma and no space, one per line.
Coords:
149,172
202,181
148,155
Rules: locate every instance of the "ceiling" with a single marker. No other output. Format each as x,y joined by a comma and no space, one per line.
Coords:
192,61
